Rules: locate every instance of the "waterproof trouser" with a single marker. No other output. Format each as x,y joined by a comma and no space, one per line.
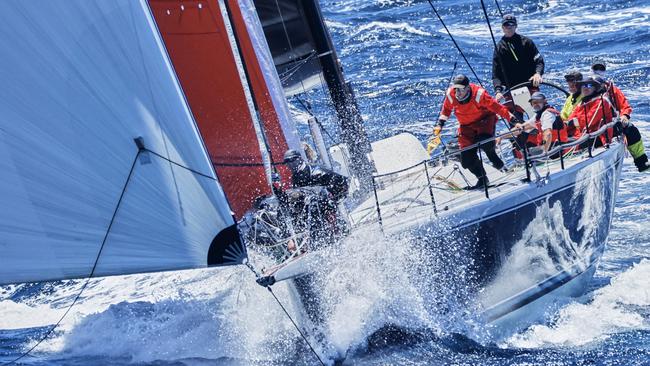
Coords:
469,159
634,144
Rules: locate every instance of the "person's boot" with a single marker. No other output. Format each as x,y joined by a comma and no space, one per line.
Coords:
642,163
481,183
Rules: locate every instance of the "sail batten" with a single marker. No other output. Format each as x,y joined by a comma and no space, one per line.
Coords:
81,80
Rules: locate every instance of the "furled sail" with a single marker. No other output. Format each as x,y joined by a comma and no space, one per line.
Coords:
81,80
219,53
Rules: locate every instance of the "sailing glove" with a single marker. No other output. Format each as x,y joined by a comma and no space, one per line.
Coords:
514,120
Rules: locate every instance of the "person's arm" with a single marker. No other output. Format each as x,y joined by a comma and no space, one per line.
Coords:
538,59
486,101
548,138
625,109
547,120
497,73
447,108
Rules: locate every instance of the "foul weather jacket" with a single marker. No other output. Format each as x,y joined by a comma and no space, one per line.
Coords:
549,118
519,58
618,99
476,117
591,113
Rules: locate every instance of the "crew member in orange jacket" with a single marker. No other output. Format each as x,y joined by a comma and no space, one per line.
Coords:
594,110
624,111
476,112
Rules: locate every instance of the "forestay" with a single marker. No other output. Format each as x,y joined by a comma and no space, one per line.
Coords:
80,80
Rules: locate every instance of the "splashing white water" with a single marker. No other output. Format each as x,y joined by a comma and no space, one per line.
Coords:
615,308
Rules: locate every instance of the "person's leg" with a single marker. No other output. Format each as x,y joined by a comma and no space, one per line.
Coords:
490,151
469,159
486,130
635,147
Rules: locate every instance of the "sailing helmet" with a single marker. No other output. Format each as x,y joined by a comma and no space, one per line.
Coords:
509,19
291,155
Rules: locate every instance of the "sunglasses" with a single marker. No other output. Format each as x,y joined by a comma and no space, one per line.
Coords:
588,85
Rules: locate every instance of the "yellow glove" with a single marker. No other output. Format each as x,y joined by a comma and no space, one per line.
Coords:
435,140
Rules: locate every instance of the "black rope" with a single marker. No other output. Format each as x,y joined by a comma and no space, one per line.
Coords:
455,44
503,71
92,272
307,107
304,337
498,7
487,19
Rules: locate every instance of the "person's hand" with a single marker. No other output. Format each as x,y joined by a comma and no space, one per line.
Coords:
536,79
571,123
625,119
515,121
498,96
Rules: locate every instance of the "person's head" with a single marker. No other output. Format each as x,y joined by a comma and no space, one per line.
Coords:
572,78
293,159
599,68
462,90
537,101
589,86
509,25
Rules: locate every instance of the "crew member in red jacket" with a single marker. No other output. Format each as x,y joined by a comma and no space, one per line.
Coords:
594,110
476,112
624,111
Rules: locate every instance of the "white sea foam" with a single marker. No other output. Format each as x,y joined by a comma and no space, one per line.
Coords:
617,307
402,27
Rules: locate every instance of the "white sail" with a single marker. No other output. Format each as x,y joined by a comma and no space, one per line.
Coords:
79,81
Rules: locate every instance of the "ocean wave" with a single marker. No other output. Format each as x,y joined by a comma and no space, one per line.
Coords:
618,307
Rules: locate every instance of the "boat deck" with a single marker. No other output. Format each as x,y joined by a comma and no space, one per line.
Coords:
437,188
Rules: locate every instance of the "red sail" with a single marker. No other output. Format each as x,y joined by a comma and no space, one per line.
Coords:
198,42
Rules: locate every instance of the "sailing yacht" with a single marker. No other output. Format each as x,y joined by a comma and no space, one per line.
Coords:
136,134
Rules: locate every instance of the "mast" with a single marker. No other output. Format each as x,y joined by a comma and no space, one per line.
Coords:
347,110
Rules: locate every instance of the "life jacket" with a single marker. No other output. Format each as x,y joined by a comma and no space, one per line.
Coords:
559,130
592,113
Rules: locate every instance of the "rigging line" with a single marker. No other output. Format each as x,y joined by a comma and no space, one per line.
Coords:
498,7
304,337
494,41
92,272
308,109
503,71
296,67
286,34
455,44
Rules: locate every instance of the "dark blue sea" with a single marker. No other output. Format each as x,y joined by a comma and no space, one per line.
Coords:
399,60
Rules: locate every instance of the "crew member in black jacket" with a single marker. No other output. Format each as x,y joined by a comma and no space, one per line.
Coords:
516,59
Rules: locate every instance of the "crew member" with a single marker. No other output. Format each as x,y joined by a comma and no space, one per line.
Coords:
306,175
624,112
476,112
516,60
547,121
592,112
